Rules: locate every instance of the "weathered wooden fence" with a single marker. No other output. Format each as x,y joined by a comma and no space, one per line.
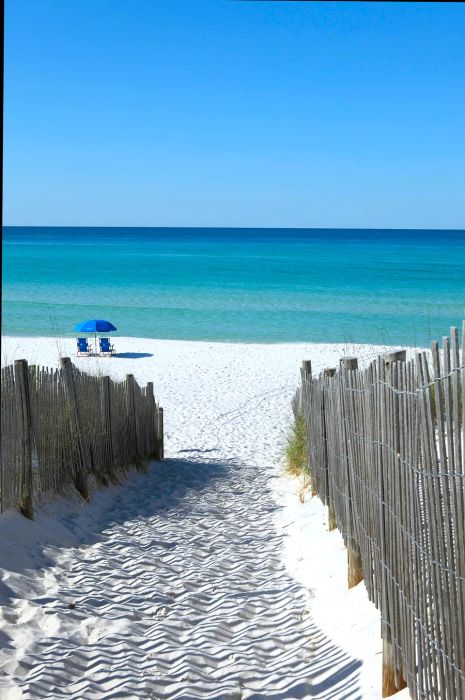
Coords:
386,450
60,426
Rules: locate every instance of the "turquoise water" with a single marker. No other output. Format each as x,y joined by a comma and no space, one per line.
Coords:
255,285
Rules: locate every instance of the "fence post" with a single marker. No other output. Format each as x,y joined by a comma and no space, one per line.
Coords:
392,679
161,440
306,370
80,479
328,372
354,557
397,356
23,407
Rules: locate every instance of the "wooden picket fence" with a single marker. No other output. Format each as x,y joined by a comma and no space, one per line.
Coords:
386,448
61,426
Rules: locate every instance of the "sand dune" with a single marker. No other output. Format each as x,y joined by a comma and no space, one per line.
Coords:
193,581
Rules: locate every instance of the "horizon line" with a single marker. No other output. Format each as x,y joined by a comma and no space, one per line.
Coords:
245,228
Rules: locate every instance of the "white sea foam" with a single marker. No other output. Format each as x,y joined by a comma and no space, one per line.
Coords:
205,578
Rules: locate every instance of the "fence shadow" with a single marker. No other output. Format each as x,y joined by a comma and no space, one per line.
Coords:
69,523
334,675
175,488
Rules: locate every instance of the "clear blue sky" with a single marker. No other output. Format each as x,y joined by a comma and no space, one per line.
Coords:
224,113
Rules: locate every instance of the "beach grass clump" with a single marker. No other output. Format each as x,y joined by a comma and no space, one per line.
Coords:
296,448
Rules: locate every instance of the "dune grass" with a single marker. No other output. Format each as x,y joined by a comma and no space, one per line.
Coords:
296,456
296,449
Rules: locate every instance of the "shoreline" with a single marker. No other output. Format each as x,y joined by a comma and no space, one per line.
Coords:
72,338
121,343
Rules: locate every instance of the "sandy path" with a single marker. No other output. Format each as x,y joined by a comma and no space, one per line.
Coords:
182,595
174,586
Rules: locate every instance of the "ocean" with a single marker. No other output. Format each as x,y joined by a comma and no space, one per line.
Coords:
241,285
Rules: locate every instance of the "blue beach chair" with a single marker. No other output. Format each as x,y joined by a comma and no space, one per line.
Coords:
105,347
83,347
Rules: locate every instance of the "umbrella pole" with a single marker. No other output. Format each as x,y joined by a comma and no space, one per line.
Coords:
95,342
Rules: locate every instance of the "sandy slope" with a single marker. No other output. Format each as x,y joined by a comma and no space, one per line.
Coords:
206,578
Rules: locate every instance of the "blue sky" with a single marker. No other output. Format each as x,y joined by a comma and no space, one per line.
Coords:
224,113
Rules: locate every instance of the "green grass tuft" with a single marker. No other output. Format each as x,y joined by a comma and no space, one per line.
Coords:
296,448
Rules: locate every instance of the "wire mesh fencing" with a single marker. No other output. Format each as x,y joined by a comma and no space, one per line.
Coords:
386,454
62,426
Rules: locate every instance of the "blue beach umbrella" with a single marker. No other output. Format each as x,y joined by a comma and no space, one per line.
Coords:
97,325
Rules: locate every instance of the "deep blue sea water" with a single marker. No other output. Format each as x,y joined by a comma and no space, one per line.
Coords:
252,285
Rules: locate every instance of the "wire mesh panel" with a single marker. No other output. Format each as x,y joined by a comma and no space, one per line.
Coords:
51,431
76,425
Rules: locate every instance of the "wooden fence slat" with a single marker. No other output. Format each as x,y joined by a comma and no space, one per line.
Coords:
161,445
105,398
152,427
23,400
75,424
354,557
135,457
393,679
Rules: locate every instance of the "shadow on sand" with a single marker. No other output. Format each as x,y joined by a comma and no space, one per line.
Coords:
67,522
167,490
132,355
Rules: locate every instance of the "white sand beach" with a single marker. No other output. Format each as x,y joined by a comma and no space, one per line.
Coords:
205,578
